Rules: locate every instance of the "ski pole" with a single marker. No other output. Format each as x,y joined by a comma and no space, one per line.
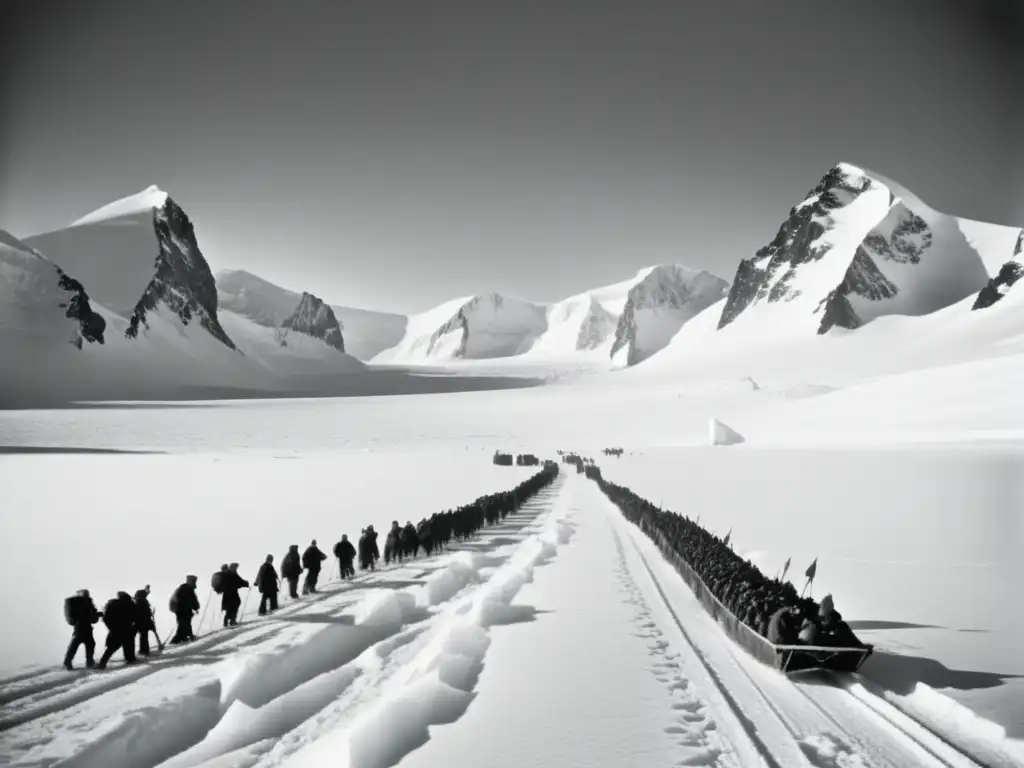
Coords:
152,623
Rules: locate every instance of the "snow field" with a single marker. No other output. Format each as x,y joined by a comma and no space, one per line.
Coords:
279,671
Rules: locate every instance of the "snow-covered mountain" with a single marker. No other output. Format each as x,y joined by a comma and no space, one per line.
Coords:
858,247
139,305
658,305
366,333
137,256
617,325
474,328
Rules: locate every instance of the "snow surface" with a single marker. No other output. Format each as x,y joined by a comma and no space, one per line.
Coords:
425,663
993,242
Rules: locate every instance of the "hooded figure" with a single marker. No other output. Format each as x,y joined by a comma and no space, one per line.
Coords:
267,584
119,616
368,551
346,554
291,569
80,612
312,560
184,605
231,602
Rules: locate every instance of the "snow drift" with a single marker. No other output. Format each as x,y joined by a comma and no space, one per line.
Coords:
858,247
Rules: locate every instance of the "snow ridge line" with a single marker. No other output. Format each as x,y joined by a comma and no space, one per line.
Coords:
428,681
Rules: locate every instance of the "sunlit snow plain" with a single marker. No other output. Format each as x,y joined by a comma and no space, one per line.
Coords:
908,488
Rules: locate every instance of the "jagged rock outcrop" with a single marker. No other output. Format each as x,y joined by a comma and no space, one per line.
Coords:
38,298
90,324
858,247
659,305
1008,275
315,318
596,327
182,279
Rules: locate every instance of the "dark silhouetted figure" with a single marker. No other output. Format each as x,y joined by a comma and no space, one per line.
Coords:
144,624
267,583
312,560
119,616
291,569
184,605
80,612
346,554
231,601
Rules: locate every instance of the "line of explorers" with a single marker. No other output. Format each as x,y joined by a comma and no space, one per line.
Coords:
126,617
770,607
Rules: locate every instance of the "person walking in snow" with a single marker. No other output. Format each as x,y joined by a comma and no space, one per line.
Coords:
267,583
231,600
312,560
291,569
184,605
80,612
144,624
119,616
346,554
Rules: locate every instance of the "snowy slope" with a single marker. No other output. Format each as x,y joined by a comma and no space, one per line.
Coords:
39,301
366,333
579,324
857,248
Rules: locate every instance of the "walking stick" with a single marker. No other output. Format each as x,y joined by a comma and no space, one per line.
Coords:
152,623
245,602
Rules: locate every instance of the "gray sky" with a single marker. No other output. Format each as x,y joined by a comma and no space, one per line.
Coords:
395,155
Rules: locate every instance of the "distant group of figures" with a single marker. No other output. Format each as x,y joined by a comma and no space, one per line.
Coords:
770,607
611,451
127,618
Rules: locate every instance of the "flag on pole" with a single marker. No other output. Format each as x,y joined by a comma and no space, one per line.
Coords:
785,568
811,570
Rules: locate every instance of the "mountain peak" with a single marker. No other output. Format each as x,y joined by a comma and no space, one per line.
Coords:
149,199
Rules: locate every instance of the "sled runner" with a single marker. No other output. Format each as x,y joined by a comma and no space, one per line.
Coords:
786,658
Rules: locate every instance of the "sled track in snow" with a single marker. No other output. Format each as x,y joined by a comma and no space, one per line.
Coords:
828,721
22,700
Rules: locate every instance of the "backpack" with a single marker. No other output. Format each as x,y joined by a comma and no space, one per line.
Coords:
70,609
175,601
217,582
